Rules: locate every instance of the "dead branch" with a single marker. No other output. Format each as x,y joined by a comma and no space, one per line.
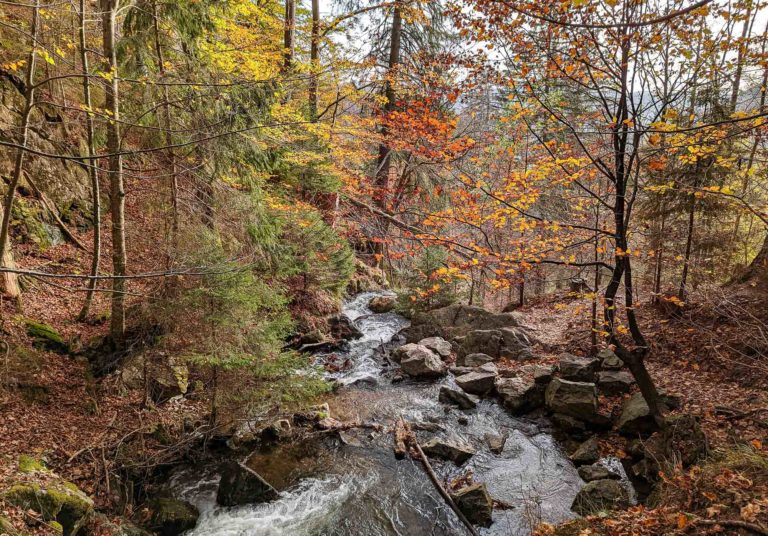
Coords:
735,523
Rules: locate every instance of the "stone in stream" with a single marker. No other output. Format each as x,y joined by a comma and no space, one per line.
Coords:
171,517
438,345
343,329
614,382
382,304
600,495
473,360
520,395
241,485
496,442
475,503
609,360
589,473
477,383
448,449
587,453
420,362
457,397
578,369
457,320
575,399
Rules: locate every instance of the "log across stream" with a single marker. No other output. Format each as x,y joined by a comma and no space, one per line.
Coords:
350,483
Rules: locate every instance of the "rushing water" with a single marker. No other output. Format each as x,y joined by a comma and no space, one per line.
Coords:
356,487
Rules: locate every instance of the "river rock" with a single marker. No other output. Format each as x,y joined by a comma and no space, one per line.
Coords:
420,362
578,369
599,495
477,383
475,503
575,399
520,395
343,329
457,320
460,371
473,360
448,449
496,442
241,485
457,397
590,473
609,360
382,304
587,453
438,345
614,382
635,418
171,517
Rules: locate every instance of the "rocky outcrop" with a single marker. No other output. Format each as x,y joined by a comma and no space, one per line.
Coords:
520,395
600,495
590,473
420,362
171,517
382,304
477,383
448,449
578,369
438,345
457,397
587,453
574,399
614,382
510,343
457,320
241,485
475,503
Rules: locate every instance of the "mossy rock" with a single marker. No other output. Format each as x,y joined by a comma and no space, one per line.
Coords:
6,527
35,394
28,464
44,337
171,517
60,501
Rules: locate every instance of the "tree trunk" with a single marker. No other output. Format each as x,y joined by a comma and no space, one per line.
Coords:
288,33
681,293
10,281
115,170
92,169
314,59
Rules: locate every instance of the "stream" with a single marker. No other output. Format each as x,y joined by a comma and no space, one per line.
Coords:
351,484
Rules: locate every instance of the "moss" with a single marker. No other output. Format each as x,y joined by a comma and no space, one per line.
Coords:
28,464
6,527
56,527
61,502
45,337
27,222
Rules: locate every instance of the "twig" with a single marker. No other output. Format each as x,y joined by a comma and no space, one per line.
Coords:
95,443
752,527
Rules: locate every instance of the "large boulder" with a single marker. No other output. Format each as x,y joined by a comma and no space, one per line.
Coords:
635,417
56,500
473,360
587,453
457,397
457,320
575,399
614,382
420,362
520,395
475,503
600,495
448,449
438,345
242,485
477,383
382,304
171,517
511,343
578,369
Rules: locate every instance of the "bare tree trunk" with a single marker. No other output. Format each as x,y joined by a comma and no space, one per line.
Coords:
681,293
92,170
10,281
314,59
288,33
657,278
115,169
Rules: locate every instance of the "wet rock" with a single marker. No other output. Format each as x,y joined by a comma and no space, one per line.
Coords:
343,329
609,360
477,383
329,423
590,473
171,517
448,449
575,399
457,397
587,453
420,362
615,382
366,381
312,415
349,438
241,485
473,360
382,304
457,320
496,442
578,369
462,420
438,345
520,395
600,495
635,418
475,503
460,371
